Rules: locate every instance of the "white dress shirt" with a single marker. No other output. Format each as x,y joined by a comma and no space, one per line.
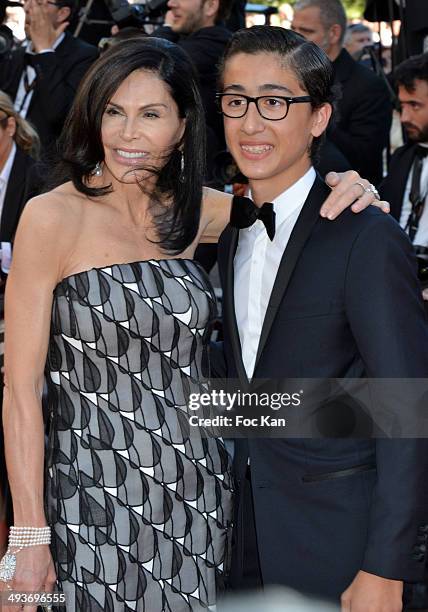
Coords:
23,98
421,236
5,175
5,248
256,265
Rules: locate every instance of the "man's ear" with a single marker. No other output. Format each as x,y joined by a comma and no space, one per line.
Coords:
211,7
321,117
64,14
334,34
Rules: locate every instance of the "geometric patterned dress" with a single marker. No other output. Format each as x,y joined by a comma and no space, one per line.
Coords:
140,511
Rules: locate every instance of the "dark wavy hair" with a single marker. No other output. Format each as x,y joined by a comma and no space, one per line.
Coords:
309,63
176,200
413,69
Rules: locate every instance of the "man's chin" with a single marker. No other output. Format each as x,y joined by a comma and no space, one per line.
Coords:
415,135
178,28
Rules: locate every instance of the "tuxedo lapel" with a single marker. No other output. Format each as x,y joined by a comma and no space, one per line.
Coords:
401,174
301,232
15,73
229,304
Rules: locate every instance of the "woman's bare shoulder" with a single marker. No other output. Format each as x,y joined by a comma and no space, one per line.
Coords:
213,197
57,210
215,216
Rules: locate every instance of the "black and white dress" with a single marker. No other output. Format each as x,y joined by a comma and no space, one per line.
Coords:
140,511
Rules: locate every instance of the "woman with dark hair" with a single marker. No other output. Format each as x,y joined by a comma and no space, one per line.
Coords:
103,289
139,511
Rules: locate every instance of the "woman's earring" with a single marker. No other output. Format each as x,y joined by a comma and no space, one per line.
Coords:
182,167
97,171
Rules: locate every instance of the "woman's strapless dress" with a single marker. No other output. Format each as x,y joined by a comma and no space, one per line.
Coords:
140,511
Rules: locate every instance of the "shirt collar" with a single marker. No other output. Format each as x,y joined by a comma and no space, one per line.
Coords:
7,168
294,197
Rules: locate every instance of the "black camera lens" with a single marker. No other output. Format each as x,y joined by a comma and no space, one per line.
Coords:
6,39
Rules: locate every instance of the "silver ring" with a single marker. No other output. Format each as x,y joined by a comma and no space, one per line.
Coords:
372,189
359,183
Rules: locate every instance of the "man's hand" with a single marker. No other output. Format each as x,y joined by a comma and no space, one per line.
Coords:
169,19
370,593
347,191
41,30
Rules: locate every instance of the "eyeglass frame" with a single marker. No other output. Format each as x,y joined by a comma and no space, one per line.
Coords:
288,99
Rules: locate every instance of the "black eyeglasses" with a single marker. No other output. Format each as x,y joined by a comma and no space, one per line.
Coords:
273,108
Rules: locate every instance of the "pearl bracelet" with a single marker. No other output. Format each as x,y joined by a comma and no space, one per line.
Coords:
29,536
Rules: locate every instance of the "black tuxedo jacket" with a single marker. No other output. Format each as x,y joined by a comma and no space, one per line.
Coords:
24,183
345,304
393,186
364,117
58,76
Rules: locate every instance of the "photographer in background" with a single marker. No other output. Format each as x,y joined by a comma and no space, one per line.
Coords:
406,186
198,27
357,37
42,76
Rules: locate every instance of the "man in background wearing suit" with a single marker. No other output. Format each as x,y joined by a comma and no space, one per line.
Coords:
42,77
361,132
406,185
339,516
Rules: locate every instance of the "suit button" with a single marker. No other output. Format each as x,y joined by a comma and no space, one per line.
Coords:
422,538
423,529
418,556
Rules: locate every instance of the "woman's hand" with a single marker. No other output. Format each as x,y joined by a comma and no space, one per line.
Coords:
34,573
348,190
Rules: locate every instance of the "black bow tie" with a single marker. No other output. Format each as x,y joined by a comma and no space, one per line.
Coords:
28,59
421,152
244,213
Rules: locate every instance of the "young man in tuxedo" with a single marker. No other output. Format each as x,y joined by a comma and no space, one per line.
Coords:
304,297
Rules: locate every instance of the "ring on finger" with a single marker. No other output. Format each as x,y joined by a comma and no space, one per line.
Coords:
372,189
363,187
